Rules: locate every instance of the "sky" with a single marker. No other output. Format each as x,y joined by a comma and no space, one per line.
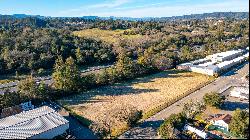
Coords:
120,8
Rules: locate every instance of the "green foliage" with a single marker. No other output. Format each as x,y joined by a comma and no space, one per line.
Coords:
30,90
10,99
213,99
125,67
66,75
174,121
239,125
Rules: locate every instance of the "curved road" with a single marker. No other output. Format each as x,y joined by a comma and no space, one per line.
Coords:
148,128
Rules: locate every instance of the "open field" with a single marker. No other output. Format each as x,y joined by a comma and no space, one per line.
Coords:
142,93
109,36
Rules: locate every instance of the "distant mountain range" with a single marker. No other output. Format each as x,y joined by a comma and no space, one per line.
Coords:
237,15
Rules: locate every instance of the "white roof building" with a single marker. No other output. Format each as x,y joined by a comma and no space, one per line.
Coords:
222,121
196,131
224,55
39,123
240,92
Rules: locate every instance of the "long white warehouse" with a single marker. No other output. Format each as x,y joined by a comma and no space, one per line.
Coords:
217,63
39,123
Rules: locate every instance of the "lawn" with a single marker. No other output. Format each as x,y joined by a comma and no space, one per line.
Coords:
109,36
142,93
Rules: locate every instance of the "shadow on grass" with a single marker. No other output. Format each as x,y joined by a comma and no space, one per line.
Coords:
165,74
123,88
231,106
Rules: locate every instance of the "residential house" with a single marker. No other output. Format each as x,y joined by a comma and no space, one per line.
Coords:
222,121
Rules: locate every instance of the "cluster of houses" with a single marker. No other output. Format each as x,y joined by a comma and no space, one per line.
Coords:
218,127
31,123
217,63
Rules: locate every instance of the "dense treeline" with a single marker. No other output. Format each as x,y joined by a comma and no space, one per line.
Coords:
33,43
28,49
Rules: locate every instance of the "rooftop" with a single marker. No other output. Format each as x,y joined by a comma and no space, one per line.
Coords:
225,117
29,123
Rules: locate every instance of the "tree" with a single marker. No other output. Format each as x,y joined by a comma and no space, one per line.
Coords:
79,56
10,99
66,75
213,99
125,66
29,89
191,109
102,77
174,121
239,125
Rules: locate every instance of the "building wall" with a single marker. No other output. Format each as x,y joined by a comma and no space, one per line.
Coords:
203,70
52,133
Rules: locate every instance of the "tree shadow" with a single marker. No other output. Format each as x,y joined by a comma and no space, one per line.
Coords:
164,74
145,130
123,88
152,124
116,90
79,130
231,106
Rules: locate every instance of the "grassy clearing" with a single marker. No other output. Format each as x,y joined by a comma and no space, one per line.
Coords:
109,36
148,94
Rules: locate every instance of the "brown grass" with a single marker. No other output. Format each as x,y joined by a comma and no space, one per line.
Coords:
109,36
143,93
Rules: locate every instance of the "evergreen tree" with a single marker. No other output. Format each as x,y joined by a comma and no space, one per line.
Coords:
66,75
239,124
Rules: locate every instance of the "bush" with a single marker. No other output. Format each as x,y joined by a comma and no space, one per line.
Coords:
174,121
213,99
116,122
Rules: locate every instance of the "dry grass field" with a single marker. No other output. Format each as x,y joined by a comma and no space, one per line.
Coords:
108,36
142,93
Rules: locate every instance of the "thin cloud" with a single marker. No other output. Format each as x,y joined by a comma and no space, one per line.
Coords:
107,4
110,4
164,11
157,9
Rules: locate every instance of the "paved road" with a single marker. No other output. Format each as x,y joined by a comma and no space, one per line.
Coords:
12,86
148,128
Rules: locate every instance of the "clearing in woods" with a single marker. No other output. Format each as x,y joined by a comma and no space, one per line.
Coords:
109,36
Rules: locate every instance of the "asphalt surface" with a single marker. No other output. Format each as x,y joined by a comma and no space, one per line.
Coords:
148,128
12,86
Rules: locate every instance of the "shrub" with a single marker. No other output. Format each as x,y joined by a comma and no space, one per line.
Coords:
213,99
174,121
116,122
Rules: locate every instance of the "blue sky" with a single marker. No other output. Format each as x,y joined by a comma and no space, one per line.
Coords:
121,8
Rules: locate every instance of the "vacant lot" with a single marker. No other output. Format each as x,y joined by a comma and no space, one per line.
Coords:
142,93
109,36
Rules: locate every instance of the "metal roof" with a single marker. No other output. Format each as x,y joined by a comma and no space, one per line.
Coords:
29,123
224,54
